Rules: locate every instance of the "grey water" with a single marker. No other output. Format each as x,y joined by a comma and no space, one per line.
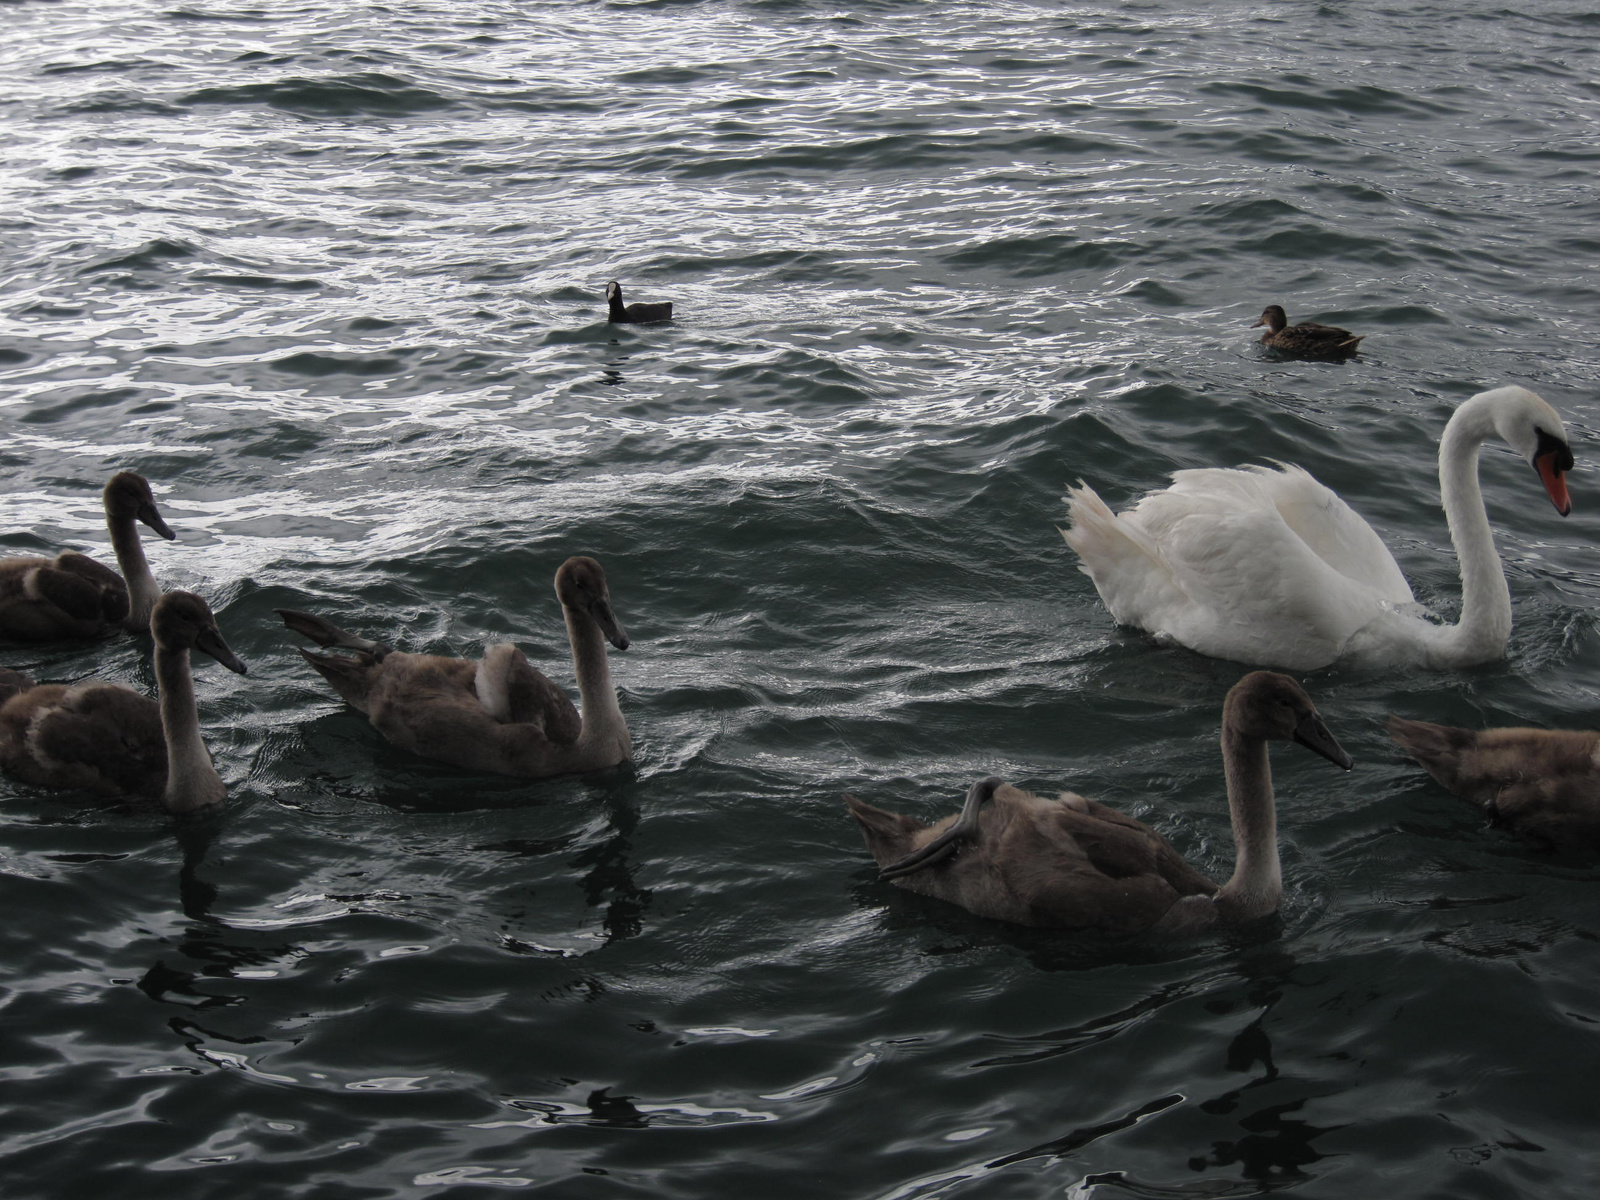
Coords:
331,276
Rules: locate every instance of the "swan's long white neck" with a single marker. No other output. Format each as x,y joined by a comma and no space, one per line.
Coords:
142,589
1485,622
192,782
1257,883
603,723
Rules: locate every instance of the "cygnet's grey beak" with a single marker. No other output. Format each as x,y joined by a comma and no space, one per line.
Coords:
148,514
210,642
1311,733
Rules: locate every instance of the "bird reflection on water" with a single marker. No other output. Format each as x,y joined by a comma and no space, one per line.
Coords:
1274,1148
608,877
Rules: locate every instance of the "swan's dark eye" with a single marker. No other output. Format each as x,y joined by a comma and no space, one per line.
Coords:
1549,443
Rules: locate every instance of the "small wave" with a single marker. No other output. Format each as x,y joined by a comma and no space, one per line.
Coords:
108,66
666,76
795,371
1156,294
122,102
1369,99
370,93
1253,212
148,257
893,153
78,400
786,264
232,17
1406,314
372,325
1043,254
309,362
603,1110
1313,243
1047,145
262,282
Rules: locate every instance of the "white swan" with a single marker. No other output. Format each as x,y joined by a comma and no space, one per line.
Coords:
1269,567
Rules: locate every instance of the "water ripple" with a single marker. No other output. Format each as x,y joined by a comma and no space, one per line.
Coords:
332,277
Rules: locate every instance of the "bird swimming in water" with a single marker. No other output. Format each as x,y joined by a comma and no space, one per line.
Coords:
498,714
72,595
633,314
1543,784
110,740
1267,566
1075,864
1308,339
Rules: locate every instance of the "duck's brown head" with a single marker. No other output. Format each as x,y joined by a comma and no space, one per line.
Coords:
1274,318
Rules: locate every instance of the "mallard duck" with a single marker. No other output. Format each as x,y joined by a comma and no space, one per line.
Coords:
1542,783
1307,339
499,714
1266,566
72,595
110,740
1075,864
633,314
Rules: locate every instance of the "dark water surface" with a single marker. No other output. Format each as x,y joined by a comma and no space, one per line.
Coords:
331,275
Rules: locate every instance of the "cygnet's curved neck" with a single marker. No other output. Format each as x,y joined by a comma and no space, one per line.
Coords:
142,590
603,723
1257,883
192,782
1485,622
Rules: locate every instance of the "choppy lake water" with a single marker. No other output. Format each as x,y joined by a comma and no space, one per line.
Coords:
331,277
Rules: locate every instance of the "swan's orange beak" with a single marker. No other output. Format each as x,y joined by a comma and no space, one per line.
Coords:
1555,482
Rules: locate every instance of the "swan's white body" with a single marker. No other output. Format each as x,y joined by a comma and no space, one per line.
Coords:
1269,567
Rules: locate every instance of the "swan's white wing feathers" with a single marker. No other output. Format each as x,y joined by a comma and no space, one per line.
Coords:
1328,526
1257,593
1218,563
1128,566
1334,531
